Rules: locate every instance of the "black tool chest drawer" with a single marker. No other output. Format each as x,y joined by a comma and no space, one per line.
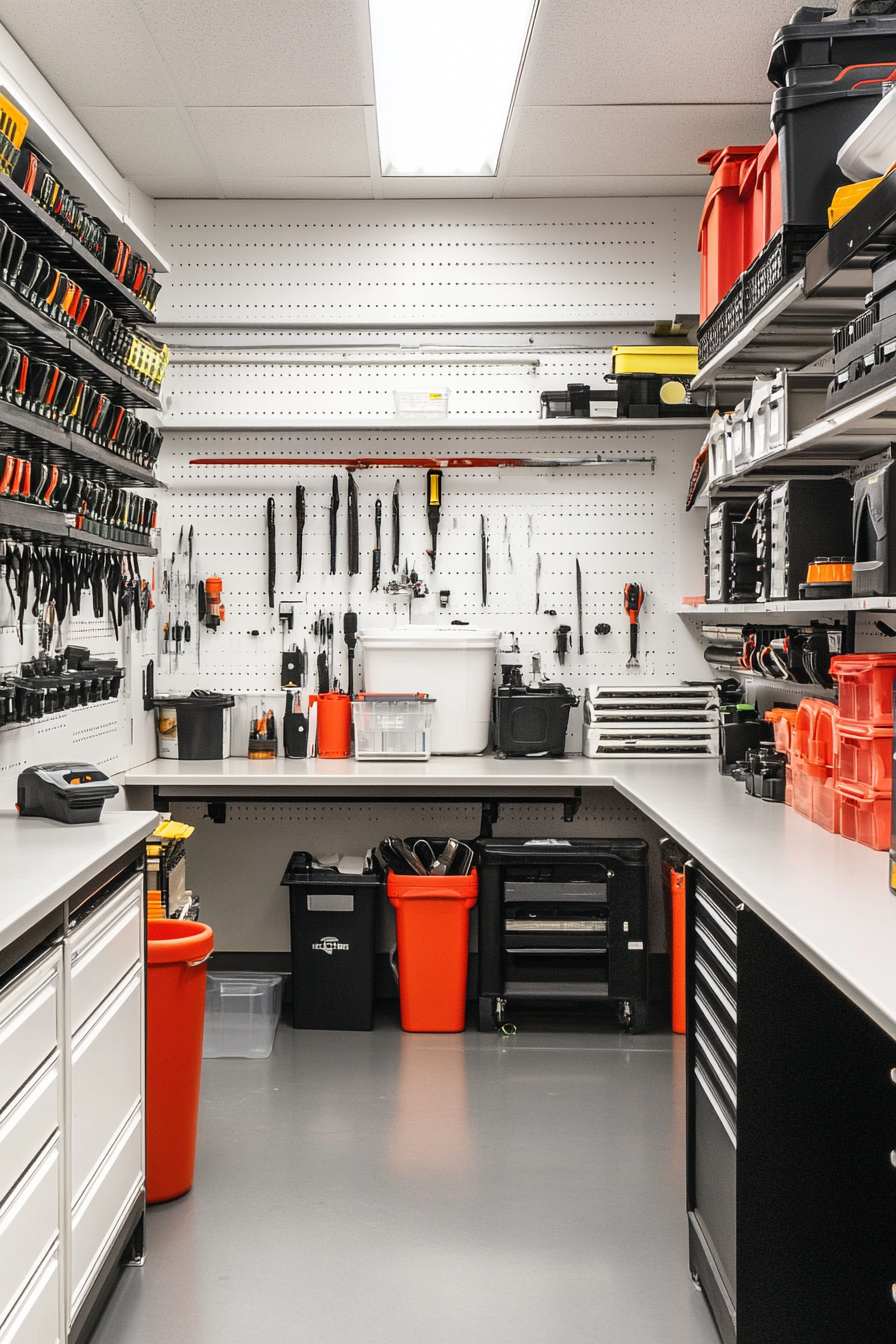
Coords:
562,920
791,1173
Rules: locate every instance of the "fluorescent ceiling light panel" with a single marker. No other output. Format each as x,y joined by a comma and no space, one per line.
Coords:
445,73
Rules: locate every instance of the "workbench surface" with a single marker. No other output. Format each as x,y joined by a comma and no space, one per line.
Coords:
827,896
42,863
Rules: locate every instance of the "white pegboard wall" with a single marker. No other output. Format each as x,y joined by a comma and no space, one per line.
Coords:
357,263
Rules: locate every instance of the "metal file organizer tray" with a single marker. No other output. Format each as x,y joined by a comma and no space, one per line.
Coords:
629,721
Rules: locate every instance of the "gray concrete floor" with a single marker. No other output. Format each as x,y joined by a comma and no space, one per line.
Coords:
382,1187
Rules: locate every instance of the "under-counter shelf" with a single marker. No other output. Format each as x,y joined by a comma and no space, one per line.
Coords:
810,607
21,321
34,522
42,233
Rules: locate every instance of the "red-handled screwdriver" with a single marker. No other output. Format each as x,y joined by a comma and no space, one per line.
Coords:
634,601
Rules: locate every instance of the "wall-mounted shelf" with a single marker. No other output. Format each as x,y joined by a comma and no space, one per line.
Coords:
21,321
24,432
42,233
796,608
33,522
451,426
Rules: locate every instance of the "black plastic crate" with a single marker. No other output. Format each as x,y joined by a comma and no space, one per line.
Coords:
725,321
782,256
856,338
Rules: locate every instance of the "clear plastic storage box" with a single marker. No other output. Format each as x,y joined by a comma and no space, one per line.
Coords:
392,727
241,1015
421,403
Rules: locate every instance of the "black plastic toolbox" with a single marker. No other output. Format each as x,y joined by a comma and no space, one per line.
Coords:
331,926
563,921
816,46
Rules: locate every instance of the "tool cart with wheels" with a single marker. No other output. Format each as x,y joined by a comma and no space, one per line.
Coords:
563,921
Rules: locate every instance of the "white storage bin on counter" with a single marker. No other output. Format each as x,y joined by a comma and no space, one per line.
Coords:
392,727
452,664
241,1015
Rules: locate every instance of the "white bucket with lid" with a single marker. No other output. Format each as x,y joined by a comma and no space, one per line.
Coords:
454,664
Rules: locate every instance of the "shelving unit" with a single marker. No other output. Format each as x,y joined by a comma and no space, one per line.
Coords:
33,522
810,607
42,232
20,320
436,426
32,432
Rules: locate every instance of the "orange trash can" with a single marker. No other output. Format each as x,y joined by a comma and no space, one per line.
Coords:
177,951
433,919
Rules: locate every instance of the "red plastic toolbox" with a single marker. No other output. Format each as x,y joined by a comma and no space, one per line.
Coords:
865,816
814,732
723,231
865,756
866,687
760,197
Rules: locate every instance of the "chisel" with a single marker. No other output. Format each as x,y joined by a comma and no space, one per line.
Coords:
334,509
377,550
579,605
272,550
300,527
354,556
396,526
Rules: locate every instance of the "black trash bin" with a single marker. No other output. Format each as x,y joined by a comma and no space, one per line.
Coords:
331,926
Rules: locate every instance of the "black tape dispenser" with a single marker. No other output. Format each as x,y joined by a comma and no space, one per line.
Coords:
73,793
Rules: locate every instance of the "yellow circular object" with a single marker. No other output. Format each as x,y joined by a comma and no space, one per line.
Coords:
673,393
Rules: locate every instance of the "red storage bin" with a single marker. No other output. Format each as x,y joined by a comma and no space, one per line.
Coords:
865,756
760,198
813,737
865,816
723,232
433,919
783,721
826,805
865,681
176,953
805,779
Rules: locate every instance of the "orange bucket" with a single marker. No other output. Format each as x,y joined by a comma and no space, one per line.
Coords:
177,951
433,919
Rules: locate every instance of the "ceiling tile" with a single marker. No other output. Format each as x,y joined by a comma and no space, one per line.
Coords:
642,51
429,188
143,141
284,141
265,53
297,188
605,186
594,141
172,187
93,52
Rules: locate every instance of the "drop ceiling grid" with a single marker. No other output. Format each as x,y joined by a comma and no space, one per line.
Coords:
419,263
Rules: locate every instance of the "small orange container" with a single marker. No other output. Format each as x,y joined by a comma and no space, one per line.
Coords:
177,951
865,816
433,919
814,732
788,785
865,681
334,724
866,756
826,805
783,721
805,779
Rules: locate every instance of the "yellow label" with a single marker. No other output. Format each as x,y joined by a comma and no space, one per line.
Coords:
435,396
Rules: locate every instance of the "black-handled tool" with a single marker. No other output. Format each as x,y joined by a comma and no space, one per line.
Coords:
563,633
579,606
300,528
433,507
396,526
334,509
350,635
354,552
378,548
323,674
483,557
272,550
633,601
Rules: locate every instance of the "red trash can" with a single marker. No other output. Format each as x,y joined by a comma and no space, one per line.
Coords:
433,918
177,951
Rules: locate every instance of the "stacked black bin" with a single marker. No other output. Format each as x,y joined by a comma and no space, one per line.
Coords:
563,921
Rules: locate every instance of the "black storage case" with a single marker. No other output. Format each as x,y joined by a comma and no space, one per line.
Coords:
551,887
813,47
874,533
331,930
532,722
808,519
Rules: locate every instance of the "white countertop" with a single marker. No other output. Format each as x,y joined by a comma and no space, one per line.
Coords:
827,896
45,862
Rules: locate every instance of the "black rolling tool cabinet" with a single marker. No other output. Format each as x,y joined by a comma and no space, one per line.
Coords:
563,921
791,1138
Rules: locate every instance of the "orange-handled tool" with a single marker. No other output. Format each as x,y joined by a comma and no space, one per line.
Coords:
634,601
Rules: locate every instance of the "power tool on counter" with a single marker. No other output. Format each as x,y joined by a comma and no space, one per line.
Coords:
69,792
633,601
